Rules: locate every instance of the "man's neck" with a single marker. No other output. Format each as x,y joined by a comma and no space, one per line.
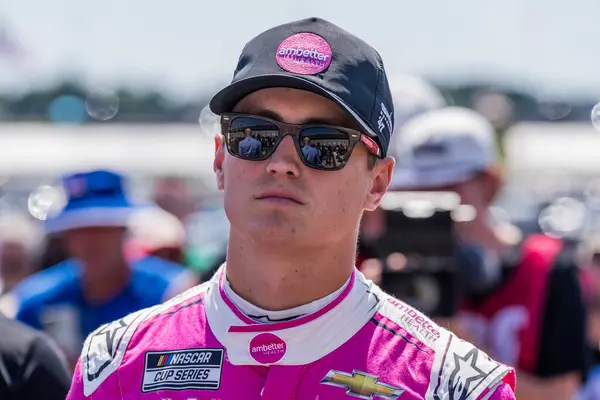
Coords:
275,280
101,283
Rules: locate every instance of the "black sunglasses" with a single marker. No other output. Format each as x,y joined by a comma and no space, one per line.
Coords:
323,147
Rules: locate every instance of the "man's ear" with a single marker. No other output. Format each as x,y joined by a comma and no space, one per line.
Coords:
219,160
381,176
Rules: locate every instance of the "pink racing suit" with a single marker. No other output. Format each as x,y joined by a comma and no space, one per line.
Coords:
364,344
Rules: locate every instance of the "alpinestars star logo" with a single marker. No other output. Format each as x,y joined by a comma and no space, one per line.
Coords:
465,375
110,336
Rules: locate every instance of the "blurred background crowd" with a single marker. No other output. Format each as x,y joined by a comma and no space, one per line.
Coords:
106,162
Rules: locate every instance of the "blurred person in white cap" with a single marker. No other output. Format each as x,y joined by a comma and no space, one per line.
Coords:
525,310
412,95
172,194
20,245
98,284
155,231
158,233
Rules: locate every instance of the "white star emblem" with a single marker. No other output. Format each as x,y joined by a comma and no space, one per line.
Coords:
465,373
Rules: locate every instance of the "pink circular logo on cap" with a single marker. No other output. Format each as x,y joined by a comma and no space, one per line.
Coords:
267,348
304,54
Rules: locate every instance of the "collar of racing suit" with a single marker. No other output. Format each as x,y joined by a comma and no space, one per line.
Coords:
306,338
265,316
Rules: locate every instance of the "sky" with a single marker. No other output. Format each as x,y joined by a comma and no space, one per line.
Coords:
189,46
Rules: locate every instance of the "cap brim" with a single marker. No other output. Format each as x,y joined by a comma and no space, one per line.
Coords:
230,96
88,218
406,179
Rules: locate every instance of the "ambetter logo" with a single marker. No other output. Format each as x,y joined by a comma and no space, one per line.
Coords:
267,348
304,54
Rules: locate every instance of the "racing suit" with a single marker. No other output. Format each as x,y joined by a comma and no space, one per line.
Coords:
363,344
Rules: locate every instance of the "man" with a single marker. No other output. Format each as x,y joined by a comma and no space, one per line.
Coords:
20,244
156,232
311,153
289,316
528,310
31,365
97,284
172,194
250,147
412,96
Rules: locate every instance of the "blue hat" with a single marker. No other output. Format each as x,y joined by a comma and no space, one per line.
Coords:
94,199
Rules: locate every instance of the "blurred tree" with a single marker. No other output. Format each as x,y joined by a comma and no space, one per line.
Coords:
153,106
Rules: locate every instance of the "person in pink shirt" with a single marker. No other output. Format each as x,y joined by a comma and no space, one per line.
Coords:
288,316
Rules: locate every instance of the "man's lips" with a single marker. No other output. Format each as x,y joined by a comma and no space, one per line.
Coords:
279,195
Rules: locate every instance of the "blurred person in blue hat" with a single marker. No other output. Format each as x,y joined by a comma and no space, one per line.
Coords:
98,283
523,301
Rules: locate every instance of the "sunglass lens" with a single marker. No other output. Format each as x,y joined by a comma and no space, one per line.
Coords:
251,138
324,147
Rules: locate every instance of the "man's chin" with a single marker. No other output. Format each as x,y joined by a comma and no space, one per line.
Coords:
275,230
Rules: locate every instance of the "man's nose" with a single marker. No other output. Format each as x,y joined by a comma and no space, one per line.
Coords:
285,159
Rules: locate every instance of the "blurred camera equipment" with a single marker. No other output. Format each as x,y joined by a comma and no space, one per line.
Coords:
418,250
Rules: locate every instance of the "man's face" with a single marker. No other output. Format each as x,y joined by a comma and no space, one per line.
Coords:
96,244
328,204
14,259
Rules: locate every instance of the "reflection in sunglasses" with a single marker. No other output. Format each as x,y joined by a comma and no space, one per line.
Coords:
319,146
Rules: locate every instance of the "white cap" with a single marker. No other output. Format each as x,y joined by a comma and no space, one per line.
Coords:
443,147
154,228
412,96
19,228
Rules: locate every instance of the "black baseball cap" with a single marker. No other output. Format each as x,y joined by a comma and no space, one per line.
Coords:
315,55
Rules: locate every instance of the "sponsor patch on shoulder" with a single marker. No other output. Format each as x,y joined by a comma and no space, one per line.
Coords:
195,369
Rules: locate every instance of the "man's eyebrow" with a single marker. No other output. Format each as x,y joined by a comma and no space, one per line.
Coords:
337,121
269,114
334,120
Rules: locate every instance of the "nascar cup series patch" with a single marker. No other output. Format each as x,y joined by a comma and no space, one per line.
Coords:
198,369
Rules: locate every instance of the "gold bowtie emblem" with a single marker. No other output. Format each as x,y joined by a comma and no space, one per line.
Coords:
362,385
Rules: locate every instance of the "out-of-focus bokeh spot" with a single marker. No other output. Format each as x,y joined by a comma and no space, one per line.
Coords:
67,109
563,217
210,123
496,107
102,105
596,116
44,201
554,110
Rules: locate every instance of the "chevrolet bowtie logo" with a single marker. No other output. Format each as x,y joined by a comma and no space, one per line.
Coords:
362,385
